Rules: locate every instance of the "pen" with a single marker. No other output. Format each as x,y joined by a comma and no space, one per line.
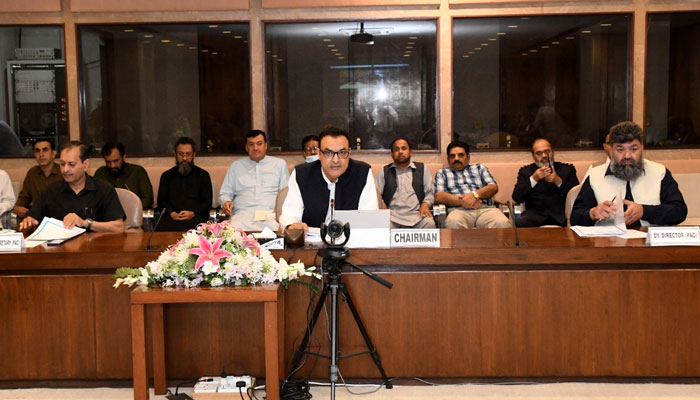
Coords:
613,200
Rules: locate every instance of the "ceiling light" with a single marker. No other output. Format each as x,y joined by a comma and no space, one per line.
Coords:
501,33
545,47
128,30
225,32
326,40
585,31
465,56
512,26
165,41
213,26
180,45
362,36
555,42
413,37
205,51
492,39
148,35
569,38
606,25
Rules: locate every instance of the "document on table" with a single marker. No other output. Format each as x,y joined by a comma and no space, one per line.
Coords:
53,231
613,226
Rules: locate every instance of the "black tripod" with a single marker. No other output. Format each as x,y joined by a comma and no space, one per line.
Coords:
333,260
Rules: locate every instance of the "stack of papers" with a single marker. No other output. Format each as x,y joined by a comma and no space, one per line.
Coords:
51,230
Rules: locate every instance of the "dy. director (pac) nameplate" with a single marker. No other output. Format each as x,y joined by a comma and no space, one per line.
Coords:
673,236
415,238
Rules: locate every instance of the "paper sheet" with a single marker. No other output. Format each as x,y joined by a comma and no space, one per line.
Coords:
52,229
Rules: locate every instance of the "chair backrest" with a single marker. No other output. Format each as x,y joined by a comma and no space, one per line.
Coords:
570,199
133,208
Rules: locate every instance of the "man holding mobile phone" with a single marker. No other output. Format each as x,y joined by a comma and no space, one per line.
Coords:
543,186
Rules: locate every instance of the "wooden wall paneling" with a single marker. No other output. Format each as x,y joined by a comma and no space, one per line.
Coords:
156,5
30,5
112,330
48,331
345,3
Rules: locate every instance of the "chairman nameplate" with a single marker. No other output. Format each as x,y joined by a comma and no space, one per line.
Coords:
415,238
673,236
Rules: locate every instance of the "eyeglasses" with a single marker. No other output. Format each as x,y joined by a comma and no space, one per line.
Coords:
313,148
342,154
543,152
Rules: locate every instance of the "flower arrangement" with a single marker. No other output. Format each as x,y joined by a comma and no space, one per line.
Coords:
214,255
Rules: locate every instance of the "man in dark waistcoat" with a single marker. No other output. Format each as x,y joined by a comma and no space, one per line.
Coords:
335,176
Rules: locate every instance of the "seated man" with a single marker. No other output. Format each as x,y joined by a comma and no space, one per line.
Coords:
467,190
79,199
651,195
123,175
543,186
184,192
335,176
7,197
252,183
407,189
309,146
38,176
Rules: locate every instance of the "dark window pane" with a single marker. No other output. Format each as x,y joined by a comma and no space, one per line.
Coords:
565,78
322,74
33,103
672,80
146,85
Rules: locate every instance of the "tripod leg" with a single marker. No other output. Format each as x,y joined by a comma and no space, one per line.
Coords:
368,342
309,330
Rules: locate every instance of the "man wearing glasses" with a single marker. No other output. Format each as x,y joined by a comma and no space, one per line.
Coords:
335,176
543,186
309,146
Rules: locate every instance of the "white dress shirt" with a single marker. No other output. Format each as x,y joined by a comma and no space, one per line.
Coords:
7,194
293,207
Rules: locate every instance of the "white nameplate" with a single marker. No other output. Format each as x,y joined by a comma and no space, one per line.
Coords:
11,241
415,238
274,244
673,236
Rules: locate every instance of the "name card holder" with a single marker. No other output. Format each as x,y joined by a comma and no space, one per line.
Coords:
274,244
11,241
673,236
415,238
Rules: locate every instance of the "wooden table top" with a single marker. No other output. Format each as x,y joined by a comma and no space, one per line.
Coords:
540,248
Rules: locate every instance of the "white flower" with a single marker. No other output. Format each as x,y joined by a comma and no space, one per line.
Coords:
217,282
209,268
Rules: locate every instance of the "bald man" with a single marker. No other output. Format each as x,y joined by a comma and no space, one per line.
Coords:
543,186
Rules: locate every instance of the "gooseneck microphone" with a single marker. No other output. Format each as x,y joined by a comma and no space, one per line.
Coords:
512,221
148,244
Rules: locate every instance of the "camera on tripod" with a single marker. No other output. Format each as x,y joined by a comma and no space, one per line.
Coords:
334,230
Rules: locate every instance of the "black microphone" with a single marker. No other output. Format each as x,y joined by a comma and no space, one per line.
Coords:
512,221
148,244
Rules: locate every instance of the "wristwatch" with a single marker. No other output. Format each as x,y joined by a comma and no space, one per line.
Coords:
89,224
476,195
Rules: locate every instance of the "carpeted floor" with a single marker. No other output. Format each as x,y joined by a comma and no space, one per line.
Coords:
567,391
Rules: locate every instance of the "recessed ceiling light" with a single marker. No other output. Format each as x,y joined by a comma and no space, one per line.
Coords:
523,54
193,47
238,37
606,25
214,53
334,49
280,59
225,32
146,41
545,47
555,42
585,31
471,52
148,35
406,55
331,45
341,58
213,26
413,37
410,42
492,39
326,40
569,38
180,45
533,51
128,30
274,56
512,26
477,48
501,33
409,47
205,51
165,41
465,56
484,44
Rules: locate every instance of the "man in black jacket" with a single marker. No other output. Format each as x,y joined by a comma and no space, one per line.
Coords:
543,186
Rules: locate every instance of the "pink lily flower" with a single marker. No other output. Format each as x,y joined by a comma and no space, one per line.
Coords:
209,252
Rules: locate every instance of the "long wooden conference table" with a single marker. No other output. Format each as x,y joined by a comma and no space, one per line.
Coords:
558,306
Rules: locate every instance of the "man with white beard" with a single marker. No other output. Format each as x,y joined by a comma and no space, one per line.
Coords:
651,195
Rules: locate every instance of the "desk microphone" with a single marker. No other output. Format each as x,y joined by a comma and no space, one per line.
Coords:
148,244
512,221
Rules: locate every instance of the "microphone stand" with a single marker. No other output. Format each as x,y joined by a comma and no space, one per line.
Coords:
148,244
512,221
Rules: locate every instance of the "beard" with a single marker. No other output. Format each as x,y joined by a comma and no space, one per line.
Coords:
627,172
116,171
544,162
184,167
